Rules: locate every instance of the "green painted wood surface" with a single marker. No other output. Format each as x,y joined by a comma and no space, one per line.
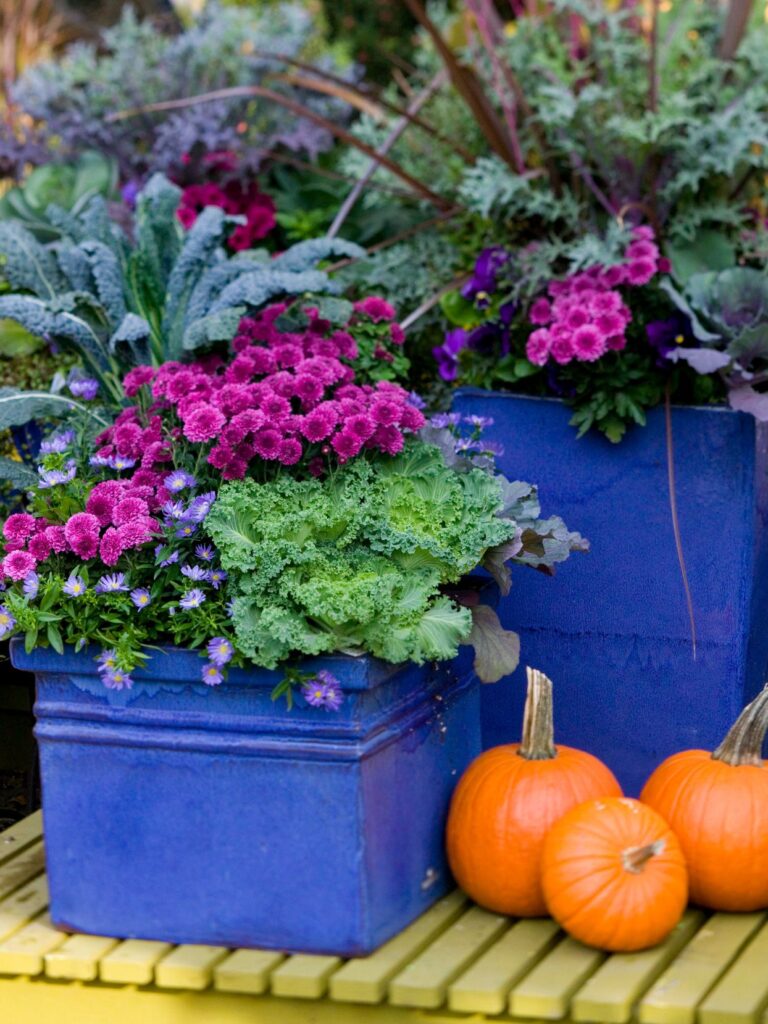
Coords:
546,992
366,980
246,970
424,982
741,995
303,976
610,995
485,986
673,999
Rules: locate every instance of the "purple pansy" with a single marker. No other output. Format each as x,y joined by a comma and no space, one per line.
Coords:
447,354
483,281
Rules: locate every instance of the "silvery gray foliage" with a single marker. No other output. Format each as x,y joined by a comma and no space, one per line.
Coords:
134,66
165,294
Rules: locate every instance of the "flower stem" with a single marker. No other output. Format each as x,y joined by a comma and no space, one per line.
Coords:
538,730
744,742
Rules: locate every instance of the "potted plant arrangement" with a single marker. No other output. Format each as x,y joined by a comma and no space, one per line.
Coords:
242,587
616,227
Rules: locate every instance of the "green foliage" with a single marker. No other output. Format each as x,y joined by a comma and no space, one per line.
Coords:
356,562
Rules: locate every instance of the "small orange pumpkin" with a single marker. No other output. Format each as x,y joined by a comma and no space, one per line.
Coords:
506,802
614,875
717,805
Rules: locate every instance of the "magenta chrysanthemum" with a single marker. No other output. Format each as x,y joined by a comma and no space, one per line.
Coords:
18,565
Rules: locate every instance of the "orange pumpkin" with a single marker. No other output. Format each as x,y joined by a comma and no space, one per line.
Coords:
717,805
614,875
506,802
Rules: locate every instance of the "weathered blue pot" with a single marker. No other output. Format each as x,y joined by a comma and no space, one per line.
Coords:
178,812
612,628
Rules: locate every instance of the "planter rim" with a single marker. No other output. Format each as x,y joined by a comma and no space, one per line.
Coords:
498,393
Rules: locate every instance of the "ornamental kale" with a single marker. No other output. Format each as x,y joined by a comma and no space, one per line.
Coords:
360,560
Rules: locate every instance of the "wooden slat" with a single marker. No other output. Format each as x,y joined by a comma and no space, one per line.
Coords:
78,958
609,996
365,980
20,836
546,992
246,970
133,962
680,989
304,976
424,982
21,868
742,993
189,967
24,952
22,906
485,987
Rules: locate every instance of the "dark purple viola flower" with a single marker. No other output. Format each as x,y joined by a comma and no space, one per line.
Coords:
447,354
483,339
482,284
507,312
667,335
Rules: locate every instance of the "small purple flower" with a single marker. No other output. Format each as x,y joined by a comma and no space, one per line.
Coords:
58,443
667,335
205,552
7,621
179,480
447,354
483,281
107,660
479,422
220,650
173,510
116,679
170,560
211,675
324,691
186,530
195,572
31,586
100,461
230,608
141,597
416,400
75,586
111,584
192,599
54,477
120,462
130,191
200,507
443,420
216,577
84,387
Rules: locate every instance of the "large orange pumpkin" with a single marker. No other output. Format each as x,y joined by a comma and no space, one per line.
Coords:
717,804
506,802
614,875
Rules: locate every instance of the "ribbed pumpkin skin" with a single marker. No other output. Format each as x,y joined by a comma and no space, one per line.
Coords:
501,811
719,812
589,890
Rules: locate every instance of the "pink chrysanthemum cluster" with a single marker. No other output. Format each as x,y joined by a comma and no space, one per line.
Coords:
282,397
585,316
118,516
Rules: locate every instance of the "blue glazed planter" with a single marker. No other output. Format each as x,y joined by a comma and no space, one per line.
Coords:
192,815
612,627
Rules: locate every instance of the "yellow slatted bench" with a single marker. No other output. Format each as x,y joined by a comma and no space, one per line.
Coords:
455,963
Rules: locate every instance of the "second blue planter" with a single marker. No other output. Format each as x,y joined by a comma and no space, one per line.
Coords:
612,628
178,812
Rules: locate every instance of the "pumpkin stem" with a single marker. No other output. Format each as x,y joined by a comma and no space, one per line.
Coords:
538,730
634,858
744,742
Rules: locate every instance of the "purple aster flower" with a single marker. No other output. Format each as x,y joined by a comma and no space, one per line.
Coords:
416,400
186,530
130,191
7,621
121,462
31,586
441,420
75,586
204,552
170,560
479,422
179,480
230,608
324,691
141,597
84,387
107,660
211,675
220,650
194,572
447,354
173,509
58,443
192,599
200,507
111,584
216,577
54,477
99,460
116,679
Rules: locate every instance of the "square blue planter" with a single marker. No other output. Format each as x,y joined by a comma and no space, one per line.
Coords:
612,628
195,815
